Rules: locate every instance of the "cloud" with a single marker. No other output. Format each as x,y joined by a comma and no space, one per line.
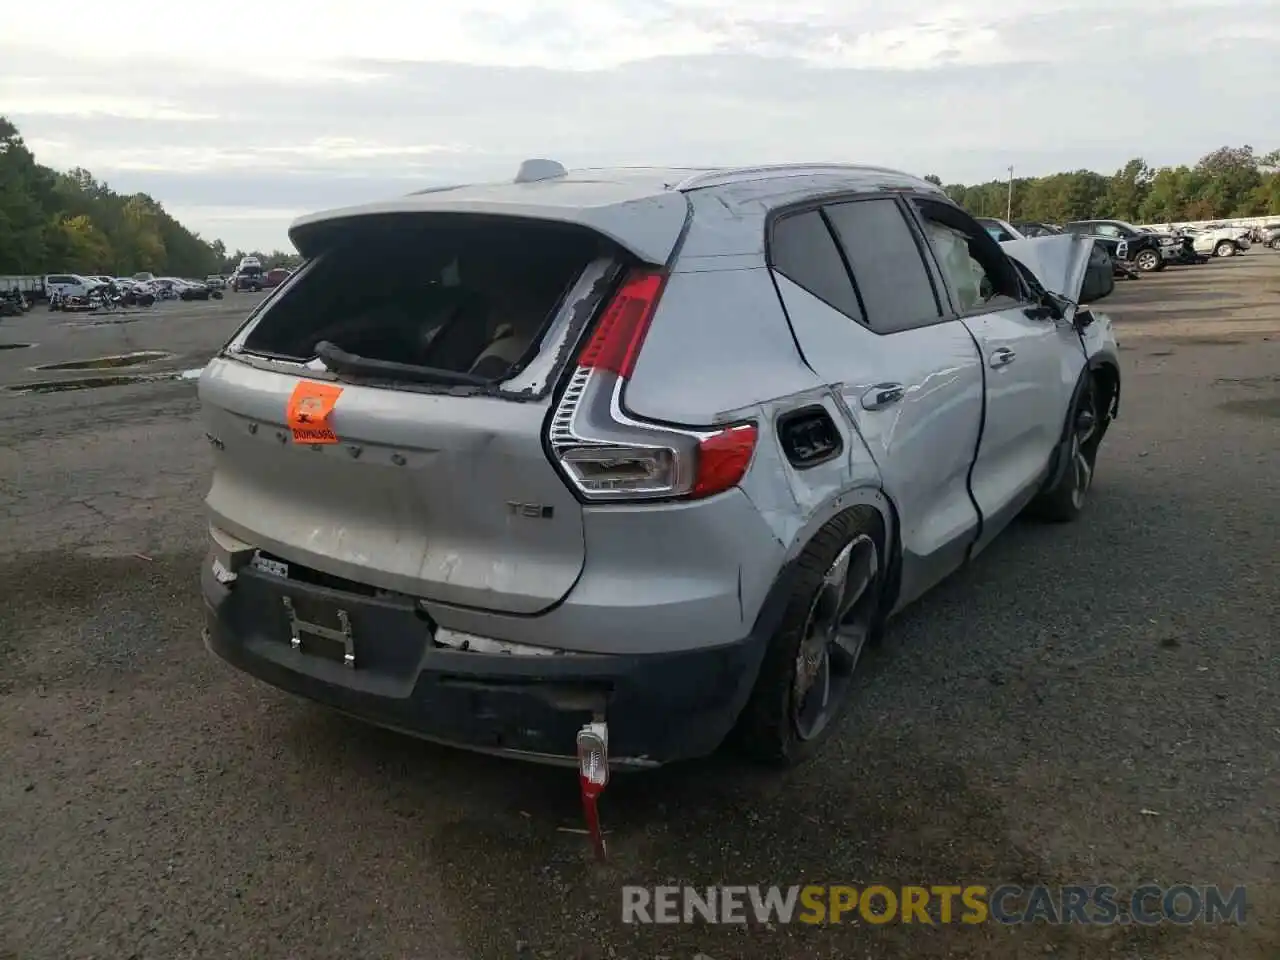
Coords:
309,106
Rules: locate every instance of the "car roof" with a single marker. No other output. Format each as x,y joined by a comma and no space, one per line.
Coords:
595,196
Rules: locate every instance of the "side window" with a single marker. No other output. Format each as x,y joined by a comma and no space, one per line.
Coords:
1107,230
804,252
892,280
977,271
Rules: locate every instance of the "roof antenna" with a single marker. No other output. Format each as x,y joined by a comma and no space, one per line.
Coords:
532,171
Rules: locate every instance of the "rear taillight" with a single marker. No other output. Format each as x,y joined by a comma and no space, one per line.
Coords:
608,455
615,343
723,458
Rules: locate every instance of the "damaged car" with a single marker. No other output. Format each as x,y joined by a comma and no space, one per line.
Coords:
1102,270
1218,240
614,466
1146,251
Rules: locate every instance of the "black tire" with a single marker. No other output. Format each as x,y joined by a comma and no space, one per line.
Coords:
771,727
1225,248
1149,260
1066,500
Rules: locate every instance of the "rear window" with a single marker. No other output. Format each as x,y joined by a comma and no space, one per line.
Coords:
465,295
804,252
887,265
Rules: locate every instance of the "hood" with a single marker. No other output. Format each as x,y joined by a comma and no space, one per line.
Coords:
1059,263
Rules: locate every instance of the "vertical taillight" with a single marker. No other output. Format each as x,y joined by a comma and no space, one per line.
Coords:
607,455
615,342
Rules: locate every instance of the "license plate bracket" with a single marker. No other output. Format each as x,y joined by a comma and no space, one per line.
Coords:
342,635
277,568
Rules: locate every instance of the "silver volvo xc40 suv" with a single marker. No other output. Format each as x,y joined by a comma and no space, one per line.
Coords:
655,448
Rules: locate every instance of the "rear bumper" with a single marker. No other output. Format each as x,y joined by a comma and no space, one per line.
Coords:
660,707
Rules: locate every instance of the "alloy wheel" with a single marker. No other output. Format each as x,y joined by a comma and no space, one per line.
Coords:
835,632
1086,425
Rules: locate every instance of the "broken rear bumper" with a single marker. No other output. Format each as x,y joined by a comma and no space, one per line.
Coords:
660,707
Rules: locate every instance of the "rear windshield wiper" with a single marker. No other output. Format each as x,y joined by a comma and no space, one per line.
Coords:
339,361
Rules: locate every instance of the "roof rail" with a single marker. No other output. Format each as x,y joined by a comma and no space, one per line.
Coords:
725,175
534,170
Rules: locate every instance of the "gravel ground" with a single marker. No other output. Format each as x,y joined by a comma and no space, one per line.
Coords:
1014,727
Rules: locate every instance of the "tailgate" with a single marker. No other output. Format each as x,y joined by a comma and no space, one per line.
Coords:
435,481
441,497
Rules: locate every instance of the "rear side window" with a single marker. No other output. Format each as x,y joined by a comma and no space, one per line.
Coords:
804,252
887,265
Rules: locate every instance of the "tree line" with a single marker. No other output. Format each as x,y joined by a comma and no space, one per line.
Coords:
52,221
1229,182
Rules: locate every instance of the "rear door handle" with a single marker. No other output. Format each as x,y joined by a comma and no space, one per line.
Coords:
883,395
1003,357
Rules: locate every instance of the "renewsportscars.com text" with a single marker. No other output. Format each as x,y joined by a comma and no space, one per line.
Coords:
941,904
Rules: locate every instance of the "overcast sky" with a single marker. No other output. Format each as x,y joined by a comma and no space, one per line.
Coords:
240,117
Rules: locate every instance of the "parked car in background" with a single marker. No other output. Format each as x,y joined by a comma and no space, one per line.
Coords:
144,277
1124,241
216,281
1035,228
1269,235
195,290
249,278
1219,240
167,288
70,284
532,500
275,277
1001,230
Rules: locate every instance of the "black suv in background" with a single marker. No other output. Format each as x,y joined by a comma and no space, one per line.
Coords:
1126,242
250,278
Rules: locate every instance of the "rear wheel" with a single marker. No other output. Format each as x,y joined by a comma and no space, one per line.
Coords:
1149,261
1225,248
808,669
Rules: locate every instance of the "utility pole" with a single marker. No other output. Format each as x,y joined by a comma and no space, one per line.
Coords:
1008,211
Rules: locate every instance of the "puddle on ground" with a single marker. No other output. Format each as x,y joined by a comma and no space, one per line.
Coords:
15,346
92,383
135,359
86,324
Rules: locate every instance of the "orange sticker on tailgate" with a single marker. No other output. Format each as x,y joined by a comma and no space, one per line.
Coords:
310,406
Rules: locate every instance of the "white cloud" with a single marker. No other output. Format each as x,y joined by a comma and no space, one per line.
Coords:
296,105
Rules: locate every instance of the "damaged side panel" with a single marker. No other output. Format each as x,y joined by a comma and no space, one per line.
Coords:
796,498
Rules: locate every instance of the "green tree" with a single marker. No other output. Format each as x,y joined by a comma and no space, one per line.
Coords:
52,221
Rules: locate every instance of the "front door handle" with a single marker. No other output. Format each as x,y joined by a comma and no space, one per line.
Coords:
1003,357
883,395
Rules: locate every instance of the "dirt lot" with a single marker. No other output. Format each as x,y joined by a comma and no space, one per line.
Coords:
1095,703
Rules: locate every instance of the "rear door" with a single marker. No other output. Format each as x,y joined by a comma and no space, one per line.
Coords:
866,312
1031,365
437,490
